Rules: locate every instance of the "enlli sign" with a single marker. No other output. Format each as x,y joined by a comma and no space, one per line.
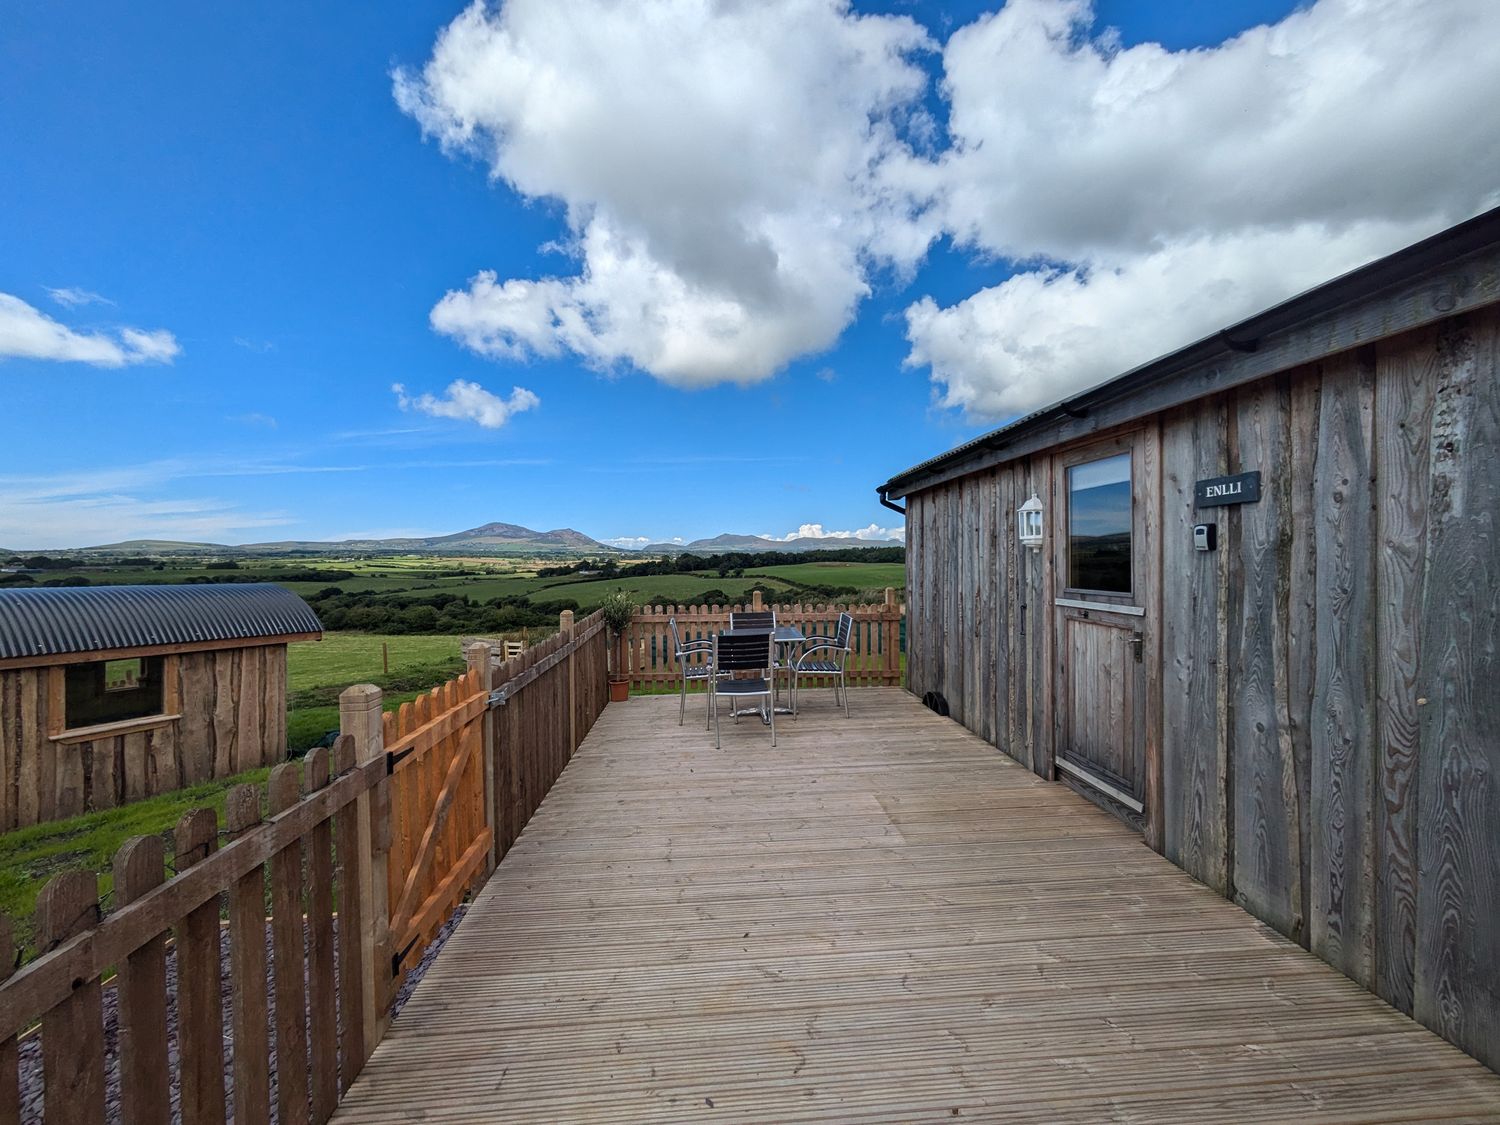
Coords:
1242,488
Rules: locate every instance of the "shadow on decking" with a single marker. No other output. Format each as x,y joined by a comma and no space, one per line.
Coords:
882,918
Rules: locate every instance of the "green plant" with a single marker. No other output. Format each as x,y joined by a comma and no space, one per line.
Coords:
618,609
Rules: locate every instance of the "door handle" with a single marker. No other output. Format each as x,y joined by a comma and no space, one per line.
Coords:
1137,643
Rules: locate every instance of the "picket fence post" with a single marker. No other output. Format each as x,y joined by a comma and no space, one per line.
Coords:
360,716
565,627
478,657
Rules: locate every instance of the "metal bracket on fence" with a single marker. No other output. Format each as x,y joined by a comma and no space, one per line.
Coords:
498,698
397,958
392,758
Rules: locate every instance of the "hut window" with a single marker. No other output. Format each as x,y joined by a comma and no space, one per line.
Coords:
113,691
1099,523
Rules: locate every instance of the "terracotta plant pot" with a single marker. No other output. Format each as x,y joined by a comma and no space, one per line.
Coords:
619,691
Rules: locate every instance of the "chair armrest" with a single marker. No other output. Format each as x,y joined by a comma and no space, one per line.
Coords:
816,648
696,646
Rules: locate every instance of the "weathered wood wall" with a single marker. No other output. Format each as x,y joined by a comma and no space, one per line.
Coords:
1330,679
233,718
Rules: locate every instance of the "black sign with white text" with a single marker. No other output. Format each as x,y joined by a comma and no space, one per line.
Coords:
1242,488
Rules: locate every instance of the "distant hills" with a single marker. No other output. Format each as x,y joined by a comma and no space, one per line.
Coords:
488,539
724,544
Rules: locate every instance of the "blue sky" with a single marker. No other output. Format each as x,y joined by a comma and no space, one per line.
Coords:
223,239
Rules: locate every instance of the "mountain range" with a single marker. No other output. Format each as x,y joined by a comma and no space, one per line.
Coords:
488,539
723,544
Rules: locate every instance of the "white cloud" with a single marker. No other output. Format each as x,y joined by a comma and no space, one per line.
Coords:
70,297
41,511
818,531
255,420
27,333
628,542
731,174
1184,190
469,402
1044,334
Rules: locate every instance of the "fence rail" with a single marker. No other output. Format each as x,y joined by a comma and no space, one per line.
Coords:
875,661
278,954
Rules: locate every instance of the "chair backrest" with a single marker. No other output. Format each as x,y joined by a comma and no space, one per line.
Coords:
676,638
845,632
753,619
744,650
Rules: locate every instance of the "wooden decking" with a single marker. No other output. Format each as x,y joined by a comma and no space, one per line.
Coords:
881,919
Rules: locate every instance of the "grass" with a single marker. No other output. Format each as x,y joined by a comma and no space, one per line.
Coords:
31,856
341,659
861,576
656,589
317,671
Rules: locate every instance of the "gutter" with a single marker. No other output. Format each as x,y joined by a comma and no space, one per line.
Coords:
886,502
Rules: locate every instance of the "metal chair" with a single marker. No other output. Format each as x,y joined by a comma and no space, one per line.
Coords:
752,619
682,651
761,619
743,651
841,645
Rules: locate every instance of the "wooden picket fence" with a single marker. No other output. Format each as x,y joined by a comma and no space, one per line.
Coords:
875,661
547,699
366,852
315,964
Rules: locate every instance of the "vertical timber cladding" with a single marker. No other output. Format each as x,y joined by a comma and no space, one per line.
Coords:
1330,731
979,610
232,707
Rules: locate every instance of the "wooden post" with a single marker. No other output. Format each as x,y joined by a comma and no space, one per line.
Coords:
200,998
756,602
10,1076
892,617
247,953
478,657
360,717
385,658
565,626
73,1031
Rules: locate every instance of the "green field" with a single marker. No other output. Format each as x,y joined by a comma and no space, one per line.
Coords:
481,580
317,671
860,576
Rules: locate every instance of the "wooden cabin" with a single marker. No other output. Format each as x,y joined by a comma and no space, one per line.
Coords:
1247,598
113,693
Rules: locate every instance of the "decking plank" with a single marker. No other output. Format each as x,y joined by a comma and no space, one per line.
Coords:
882,919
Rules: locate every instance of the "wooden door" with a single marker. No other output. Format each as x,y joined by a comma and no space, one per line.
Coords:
1103,616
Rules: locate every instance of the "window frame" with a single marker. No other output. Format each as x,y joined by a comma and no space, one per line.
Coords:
57,701
1126,444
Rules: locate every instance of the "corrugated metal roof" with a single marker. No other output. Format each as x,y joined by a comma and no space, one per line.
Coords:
55,621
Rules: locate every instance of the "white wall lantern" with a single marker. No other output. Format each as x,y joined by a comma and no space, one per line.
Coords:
1029,523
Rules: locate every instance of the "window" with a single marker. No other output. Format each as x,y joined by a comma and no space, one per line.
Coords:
114,691
1099,525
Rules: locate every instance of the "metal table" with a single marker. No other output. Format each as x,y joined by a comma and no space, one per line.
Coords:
786,636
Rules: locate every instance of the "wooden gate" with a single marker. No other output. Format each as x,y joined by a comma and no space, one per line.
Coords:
439,836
